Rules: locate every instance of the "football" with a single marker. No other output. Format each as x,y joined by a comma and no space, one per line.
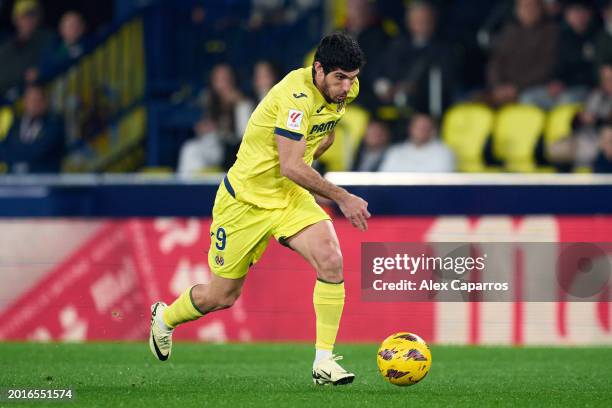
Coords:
403,359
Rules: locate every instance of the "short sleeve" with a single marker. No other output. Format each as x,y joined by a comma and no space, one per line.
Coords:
293,114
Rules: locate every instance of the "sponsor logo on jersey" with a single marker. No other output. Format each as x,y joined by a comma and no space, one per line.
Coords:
325,127
300,95
294,119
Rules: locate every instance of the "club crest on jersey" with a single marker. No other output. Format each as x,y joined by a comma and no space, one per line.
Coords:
219,260
294,119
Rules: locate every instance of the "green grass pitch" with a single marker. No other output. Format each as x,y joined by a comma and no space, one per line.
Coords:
278,375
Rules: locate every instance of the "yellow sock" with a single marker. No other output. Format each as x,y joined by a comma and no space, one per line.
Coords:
183,310
328,299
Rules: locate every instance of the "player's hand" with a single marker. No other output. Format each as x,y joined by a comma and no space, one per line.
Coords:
356,210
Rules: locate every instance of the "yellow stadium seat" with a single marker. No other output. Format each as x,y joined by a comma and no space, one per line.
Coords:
559,122
349,132
6,120
515,136
465,129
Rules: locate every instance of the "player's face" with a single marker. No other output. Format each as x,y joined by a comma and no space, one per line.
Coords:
337,83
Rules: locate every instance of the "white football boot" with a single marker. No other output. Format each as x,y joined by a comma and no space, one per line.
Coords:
327,371
160,340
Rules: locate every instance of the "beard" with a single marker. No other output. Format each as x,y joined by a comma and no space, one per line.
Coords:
328,97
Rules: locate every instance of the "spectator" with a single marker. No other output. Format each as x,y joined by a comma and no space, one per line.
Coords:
265,76
524,56
71,44
277,12
229,108
203,152
35,143
24,50
603,43
363,24
410,59
574,67
422,152
581,148
373,147
603,161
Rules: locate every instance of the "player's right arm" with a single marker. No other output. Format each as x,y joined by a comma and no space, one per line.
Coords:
292,166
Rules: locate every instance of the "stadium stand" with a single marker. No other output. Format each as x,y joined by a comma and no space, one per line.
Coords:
516,133
466,128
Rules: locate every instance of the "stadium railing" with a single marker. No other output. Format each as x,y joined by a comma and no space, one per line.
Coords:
116,195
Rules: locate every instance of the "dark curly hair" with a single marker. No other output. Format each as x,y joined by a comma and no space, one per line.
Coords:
339,51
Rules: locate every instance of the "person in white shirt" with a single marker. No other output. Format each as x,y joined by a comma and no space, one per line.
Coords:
203,152
422,152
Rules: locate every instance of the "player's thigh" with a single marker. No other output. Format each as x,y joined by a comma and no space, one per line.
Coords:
239,235
308,230
318,244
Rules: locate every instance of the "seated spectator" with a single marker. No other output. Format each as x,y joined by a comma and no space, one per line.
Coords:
524,55
603,161
373,147
229,108
204,152
423,152
575,61
24,50
35,143
71,44
581,148
409,60
364,25
603,43
265,76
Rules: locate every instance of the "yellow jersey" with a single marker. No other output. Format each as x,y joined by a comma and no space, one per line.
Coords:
293,108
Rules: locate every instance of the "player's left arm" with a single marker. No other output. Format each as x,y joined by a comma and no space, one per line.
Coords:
324,145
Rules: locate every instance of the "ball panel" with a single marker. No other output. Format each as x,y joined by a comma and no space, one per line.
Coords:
403,359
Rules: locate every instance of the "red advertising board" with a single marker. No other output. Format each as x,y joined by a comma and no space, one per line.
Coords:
103,290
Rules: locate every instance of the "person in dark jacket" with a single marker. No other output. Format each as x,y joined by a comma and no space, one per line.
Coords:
603,43
22,52
35,143
603,161
525,53
412,59
70,45
364,25
373,147
575,70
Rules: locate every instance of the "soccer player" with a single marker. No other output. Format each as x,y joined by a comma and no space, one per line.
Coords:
267,192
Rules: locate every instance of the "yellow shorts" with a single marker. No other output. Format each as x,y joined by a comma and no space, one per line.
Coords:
240,232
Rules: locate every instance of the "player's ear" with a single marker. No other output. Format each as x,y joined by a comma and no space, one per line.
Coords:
319,68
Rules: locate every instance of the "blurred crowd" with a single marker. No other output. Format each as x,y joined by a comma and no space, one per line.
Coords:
35,143
539,52
423,57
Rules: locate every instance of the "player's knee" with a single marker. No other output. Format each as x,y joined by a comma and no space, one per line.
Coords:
330,265
227,300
